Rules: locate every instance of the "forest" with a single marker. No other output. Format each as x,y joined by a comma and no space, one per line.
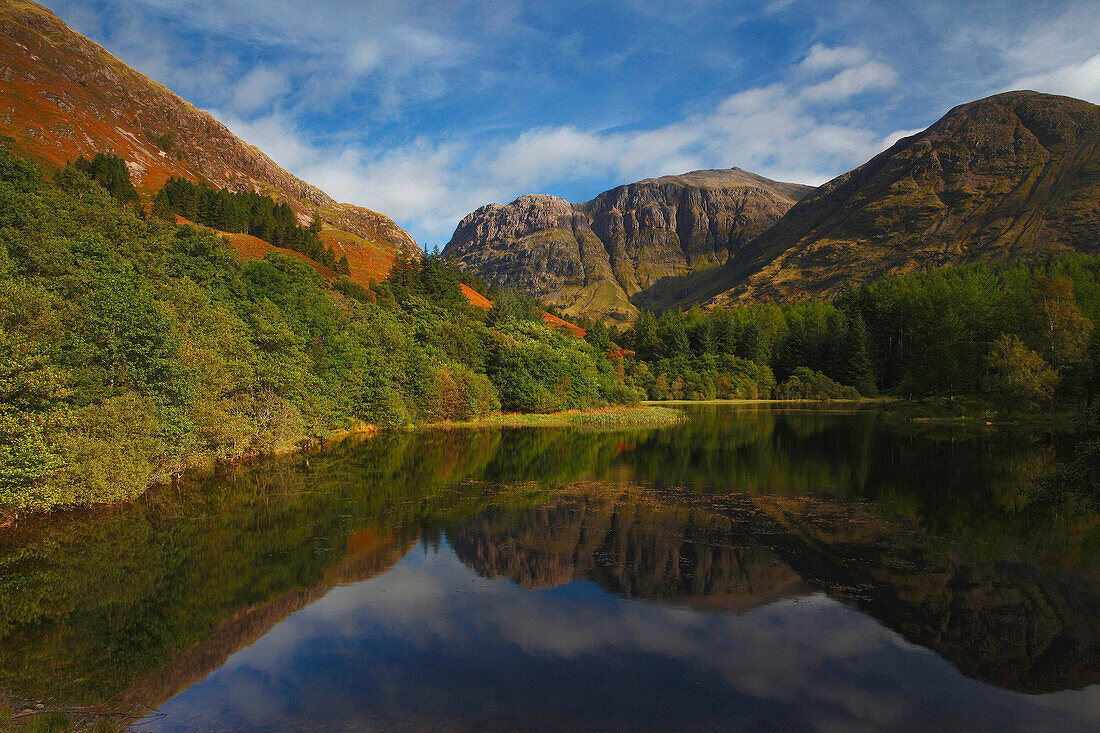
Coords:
245,212
133,348
1021,335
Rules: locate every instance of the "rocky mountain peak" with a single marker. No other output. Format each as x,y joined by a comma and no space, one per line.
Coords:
625,248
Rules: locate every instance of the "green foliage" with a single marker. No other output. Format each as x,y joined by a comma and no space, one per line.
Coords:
806,384
111,172
929,333
915,335
245,212
597,335
537,369
509,305
132,349
1016,375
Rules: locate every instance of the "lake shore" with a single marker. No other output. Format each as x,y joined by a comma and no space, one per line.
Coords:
862,401
644,415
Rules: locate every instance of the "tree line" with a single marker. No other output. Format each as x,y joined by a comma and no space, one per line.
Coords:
246,212
1022,334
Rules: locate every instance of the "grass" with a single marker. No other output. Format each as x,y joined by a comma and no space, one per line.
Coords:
604,417
48,720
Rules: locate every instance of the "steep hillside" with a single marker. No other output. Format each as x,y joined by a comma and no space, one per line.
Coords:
1012,176
627,248
62,96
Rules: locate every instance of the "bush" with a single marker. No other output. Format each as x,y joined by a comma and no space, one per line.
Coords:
806,384
1015,375
109,450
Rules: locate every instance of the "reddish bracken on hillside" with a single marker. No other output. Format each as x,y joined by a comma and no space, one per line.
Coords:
481,301
62,97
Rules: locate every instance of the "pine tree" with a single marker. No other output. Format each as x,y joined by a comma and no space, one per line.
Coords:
857,368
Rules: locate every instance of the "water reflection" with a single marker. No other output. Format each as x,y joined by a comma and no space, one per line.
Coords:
748,568
433,644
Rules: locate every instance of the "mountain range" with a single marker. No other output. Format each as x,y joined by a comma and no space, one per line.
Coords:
1013,176
629,247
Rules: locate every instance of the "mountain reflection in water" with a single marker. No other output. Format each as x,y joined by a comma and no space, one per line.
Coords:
750,569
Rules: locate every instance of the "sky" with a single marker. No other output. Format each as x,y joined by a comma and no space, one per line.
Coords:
424,110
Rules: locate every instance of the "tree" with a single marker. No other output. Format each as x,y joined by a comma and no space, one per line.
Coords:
597,336
645,338
111,172
405,267
1061,329
857,369
1017,376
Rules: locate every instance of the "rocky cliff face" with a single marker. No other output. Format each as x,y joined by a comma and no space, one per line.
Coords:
627,248
1015,175
63,96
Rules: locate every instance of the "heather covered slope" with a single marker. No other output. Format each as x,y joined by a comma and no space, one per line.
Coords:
1012,176
63,96
628,248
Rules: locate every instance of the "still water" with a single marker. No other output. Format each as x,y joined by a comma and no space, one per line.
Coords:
767,569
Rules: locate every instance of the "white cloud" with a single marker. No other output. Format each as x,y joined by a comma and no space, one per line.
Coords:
868,76
275,135
1081,80
365,56
258,88
823,58
775,130
1073,34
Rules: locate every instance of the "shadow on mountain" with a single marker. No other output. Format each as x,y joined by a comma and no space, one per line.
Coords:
675,291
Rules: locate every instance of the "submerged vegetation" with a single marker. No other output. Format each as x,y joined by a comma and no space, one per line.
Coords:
132,348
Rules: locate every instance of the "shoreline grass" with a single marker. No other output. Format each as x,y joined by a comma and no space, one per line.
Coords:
603,417
861,401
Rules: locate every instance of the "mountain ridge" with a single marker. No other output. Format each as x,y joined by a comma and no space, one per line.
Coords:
627,247
1011,176
63,96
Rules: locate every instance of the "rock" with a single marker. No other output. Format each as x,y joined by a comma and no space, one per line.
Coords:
629,247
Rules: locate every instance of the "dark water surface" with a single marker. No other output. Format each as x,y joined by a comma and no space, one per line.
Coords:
751,569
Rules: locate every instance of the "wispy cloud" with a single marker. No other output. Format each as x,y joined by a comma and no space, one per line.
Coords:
1081,80
776,130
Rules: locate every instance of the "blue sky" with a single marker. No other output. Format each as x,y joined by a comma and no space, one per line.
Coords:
424,110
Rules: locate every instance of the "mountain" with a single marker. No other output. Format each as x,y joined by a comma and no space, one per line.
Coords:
1016,175
627,248
63,96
